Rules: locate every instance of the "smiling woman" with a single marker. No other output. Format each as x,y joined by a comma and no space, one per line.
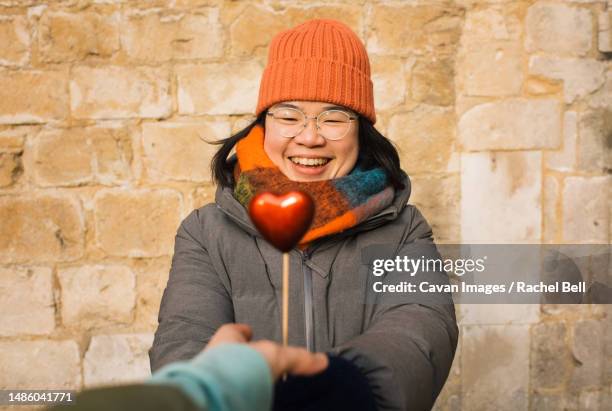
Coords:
326,150
314,131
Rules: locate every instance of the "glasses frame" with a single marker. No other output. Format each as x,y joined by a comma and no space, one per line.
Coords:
308,118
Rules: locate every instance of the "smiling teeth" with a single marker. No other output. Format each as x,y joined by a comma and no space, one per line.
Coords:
309,161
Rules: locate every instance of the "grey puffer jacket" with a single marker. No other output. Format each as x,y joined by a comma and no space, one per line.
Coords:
224,271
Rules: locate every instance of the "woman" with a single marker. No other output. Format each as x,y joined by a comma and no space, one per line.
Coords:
314,132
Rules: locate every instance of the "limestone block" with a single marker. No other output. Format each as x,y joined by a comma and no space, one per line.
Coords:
592,401
151,283
602,98
186,3
179,151
40,228
137,223
56,365
474,3
588,354
551,357
564,159
492,70
425,137
76,156
432,82
492,355
389,82
12,139
580,76
14,41
585,209
437,197
254,29
223,88
552,220
33,96
607,339
120,92
500,197
10,168
558,29
594,148
541,86
605,31
553,402
158,36
117,359
398,29
497,314
252,26
64,36
97,295
27,304
516,123
11,151
491,23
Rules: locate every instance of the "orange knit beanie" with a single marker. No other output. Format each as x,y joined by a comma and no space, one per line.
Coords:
319,60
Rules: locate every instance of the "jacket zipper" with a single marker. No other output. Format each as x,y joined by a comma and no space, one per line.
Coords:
308,306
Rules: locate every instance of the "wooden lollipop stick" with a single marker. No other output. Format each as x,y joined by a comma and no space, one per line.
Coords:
285,314
285,319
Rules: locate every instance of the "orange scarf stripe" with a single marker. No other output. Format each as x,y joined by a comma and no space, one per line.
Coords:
251,152
336,225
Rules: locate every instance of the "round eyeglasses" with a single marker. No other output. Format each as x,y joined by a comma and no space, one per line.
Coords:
331,124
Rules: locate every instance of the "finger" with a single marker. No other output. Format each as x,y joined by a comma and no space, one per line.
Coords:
245,330
231,333
299,361
238,331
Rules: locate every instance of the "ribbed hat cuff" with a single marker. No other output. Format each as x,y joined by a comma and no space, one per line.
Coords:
314,79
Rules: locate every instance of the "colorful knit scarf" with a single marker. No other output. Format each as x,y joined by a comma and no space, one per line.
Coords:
340,203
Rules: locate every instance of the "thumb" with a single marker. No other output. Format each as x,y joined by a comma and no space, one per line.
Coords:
299,361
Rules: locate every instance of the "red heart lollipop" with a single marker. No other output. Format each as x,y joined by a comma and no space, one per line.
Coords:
282,220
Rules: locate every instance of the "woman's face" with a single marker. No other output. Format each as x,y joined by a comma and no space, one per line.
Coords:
339,156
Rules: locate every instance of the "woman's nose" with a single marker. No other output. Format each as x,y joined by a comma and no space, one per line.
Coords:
310,136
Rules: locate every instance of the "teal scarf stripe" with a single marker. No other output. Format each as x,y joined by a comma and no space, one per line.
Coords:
360,185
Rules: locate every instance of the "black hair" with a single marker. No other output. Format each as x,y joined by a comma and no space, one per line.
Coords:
375,150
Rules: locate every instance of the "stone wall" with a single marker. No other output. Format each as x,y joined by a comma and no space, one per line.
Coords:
501,110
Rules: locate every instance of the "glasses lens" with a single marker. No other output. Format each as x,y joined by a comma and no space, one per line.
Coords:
334,124
289,121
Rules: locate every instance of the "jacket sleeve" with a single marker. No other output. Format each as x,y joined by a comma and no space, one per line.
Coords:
195,302
408,349
229,377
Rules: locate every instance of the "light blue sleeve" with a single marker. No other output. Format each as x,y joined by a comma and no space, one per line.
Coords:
229,377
